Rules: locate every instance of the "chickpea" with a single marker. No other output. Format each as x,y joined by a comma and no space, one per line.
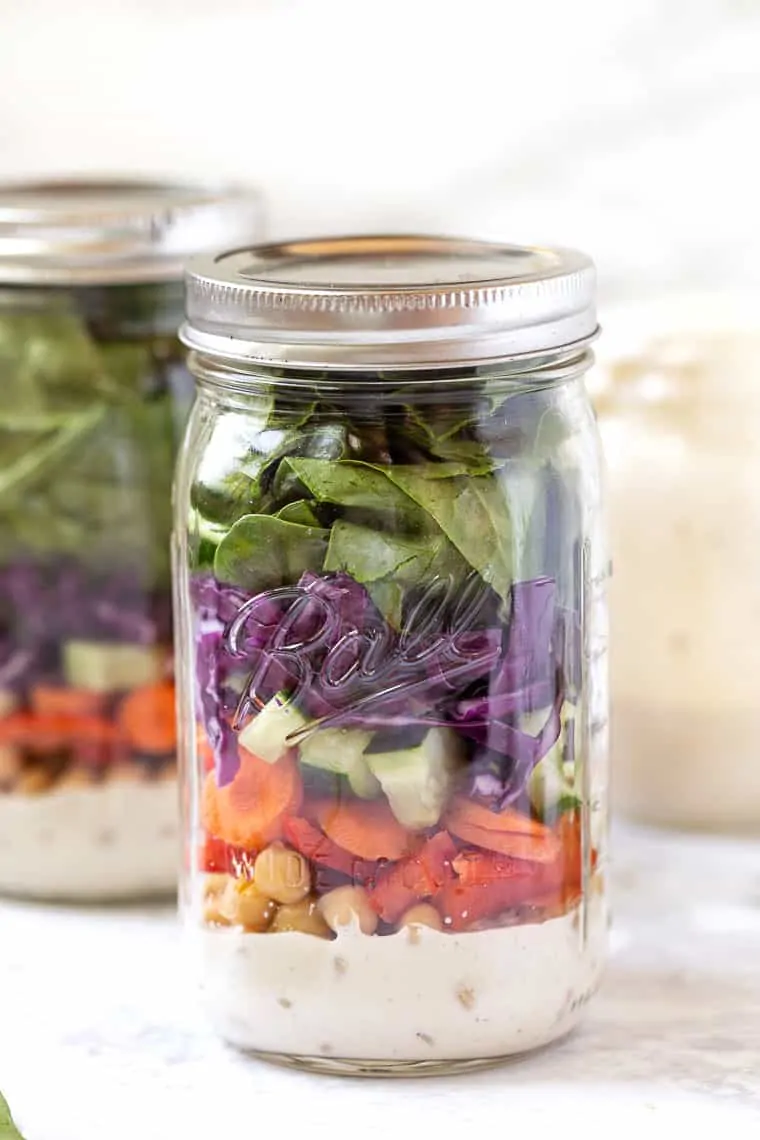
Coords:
212,915
345,905
34,781
303,917
214,885
79,777
213,890
10,764
243,904
282,874
424,914
127,773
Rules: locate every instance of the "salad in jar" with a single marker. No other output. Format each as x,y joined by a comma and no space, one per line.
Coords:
91,403
94,395
391,601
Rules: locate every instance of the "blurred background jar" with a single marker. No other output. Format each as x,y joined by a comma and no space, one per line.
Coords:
678,399
93,399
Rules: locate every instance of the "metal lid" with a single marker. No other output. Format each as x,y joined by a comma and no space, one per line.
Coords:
388,302
114,231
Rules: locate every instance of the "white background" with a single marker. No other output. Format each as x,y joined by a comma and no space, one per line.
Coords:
628,128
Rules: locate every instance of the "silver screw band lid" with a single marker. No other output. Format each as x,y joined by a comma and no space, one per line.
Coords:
388,301
113,231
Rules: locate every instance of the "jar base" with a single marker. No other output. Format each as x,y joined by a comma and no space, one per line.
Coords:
364,1067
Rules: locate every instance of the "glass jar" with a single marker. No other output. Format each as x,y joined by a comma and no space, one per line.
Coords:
94,394
679,410
390,584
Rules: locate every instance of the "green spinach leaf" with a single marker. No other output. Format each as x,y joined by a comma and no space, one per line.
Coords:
30,455
368,555
261,551
473,512
47,360
273,483
391,565
301,511
355,484
103,497
448,437
451,470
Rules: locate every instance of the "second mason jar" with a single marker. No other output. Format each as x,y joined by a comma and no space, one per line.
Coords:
94,394
390,593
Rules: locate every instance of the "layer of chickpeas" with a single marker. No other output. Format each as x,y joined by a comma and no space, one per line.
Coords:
278,897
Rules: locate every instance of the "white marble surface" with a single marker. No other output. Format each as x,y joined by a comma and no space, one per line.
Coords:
99,1039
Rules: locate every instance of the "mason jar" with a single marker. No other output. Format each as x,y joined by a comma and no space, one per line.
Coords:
390,592
93,396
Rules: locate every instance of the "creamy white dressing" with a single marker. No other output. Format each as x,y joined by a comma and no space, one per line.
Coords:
417,995
113,840
679,410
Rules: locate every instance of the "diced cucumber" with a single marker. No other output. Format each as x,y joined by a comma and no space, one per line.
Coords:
551,786
266,735
340,750
363,783
108,667
417,779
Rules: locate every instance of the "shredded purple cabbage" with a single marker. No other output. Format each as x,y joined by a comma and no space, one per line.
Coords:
325,643
43,605
528,657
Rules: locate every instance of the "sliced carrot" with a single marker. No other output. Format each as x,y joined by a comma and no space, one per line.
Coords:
489,882
59,700
418,876
51,733
369,829
249,812
474,867
210,815
481,868
533,848
204,749
476,814
22,729
315,846
148,719
568,832
218,857
554,904
462,904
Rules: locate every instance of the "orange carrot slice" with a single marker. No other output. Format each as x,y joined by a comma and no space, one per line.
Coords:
147,718
315,846
210,815
218,857
59,700
369,830
474,867
568,832
249,812
542,848
471,812
461,905
554,904
50,733
420,875
513,874
204,749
